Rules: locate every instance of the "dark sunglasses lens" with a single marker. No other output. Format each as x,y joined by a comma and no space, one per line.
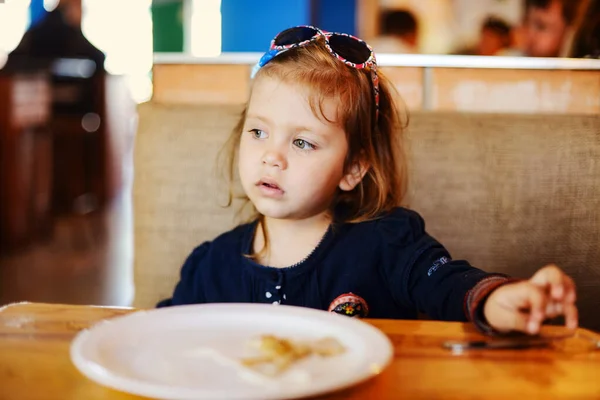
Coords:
350,49
294,35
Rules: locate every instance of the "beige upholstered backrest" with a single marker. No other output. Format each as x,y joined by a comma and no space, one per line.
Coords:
512,193
507,192
177,198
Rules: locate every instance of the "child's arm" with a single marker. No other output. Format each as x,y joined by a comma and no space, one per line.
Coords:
523,306
421,274
188,289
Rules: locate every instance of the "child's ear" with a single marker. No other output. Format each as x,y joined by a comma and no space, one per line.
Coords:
353,177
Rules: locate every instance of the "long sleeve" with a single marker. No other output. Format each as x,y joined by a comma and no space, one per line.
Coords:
422,274
189,287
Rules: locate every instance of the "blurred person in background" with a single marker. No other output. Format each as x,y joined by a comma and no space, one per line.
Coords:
586,42
76,67
547,26
399,33
58,35
495,37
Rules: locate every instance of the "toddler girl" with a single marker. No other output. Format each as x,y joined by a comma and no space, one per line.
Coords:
319,156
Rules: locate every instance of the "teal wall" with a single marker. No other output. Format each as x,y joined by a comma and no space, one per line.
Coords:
167,22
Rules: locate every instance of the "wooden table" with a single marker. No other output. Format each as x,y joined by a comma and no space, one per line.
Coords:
35,363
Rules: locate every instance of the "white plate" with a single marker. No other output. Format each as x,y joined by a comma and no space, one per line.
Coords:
191,352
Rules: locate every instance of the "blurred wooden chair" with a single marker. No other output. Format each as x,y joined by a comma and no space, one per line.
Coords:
25,157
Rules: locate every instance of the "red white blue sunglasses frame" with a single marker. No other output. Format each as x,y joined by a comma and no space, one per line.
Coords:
370,63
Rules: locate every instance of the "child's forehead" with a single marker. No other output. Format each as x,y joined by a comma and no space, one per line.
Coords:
275,96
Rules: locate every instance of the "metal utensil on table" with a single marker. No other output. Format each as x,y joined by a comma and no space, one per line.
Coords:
512,343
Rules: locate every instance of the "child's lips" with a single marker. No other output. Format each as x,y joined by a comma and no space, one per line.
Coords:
270,188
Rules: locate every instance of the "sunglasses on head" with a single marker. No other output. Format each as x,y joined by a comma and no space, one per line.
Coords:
349,49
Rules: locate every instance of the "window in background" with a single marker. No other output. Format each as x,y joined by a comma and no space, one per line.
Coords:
50,5
205,28
123,31
14,20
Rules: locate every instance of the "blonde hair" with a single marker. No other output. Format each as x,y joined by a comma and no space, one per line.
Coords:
377,144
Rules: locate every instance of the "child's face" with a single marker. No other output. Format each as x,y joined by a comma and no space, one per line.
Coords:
290,161
545,30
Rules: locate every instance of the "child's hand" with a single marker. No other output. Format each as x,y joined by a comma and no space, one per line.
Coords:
523,306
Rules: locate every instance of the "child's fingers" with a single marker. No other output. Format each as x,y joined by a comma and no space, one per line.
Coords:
518,321
536,299
571,316
570,289
529,315
549,276
559,285
554,309
525,305
569,310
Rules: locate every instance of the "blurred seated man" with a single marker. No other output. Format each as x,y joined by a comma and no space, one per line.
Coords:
547,25
495,37
399,33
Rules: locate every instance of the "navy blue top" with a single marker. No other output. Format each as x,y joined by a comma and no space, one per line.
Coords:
384,268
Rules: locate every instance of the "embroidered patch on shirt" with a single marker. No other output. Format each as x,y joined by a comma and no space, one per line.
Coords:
437,264
349,304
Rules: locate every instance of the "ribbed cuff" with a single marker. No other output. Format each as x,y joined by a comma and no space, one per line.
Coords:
476,297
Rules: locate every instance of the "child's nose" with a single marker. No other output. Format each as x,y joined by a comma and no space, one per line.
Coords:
274,157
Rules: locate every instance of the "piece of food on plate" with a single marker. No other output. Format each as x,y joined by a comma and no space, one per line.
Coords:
278,354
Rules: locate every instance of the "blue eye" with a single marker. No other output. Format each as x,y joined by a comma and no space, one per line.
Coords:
303,144
258,134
